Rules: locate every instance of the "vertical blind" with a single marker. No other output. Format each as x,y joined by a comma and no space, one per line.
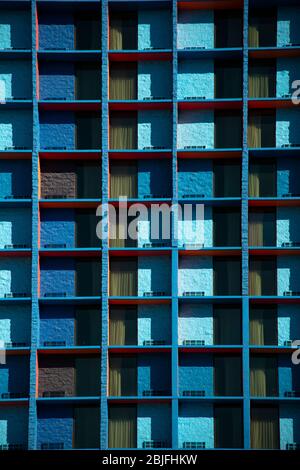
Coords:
227,178
88,130
263,376
123,179
262,227
86,427
123,130
262,277
122,427
88,180
123,31
262,178
123,326
262,82
122,376
228,376
88,81
228,427
228,28
227,324
227,276
263,325
264,428
123,277
225,122
87,33
227,227
123,81
88,278
228,79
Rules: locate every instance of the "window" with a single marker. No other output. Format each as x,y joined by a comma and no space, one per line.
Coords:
86,427
123,81
85,229
262,178
227,324
88,31
88,278
264,428
263,276
88,81
263,325
262,28
122,432
228,79
88,130
123,30
228,376
262,227
228,28
225,122
261,129
123,326
228,427
227,226
262,79
89,180
263,376
227,276
123,179
123,130
87,326
122,376
227,178
123,277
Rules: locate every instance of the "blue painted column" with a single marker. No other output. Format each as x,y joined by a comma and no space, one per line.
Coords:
174,261
245,251
32,421
105,264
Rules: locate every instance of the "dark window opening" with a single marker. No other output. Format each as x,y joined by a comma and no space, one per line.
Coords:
227,178
123,376
88,31
263,325
86,427
227,276
123,130
228,376
263,178
123,326
228,427
88,81
123,31
227,324
228,79
87,326
262,79
264,376
264,427
228,28
262,129
123,81
263,276
227,226
228,129
262,227
88,278
88,130
263,28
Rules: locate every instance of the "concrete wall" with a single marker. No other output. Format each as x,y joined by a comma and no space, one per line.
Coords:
57,80
195,29
195,176
15,178
57,275
287,73
287,25
58,180
15,276
195,225
13,425
153,423
57,324
154,29
17,78
287,277
154,79
15,226
154,322
154,129
196,424
57,374
195,274
57,129
289,425
195,128
196,373
14,375
288,173
15,324
196,78
288,225
195,322
15,29
55,424
287,127
154,274
58,226
288,375
154,177
56,30
288,323
154,373
15,129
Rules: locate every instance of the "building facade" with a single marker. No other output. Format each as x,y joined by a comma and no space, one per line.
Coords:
154,342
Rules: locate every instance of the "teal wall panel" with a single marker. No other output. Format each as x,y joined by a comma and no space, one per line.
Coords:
288,25
195,29
196,424
15,227
195,274
195,128
195,79
195,322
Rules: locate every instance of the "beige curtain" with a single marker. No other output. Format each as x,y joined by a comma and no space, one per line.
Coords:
256,229
253,35
258,379
255,278
259,85
123,180
264,428
123,81
254,184
123,31
123,130
116,34
115,377
122,376
117,327
255,131
123,278
122,427
257,334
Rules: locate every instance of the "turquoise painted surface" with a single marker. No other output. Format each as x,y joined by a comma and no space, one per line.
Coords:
195,29
154,129
55,424
17,78
196,373
195,128
15,29
13,425
288,225
15,324
15,129
154,79
154,373
15,178
288,19
289,425
15,227
195,322
195,274
154,29
154,274
153,423
288,323
154,177
195,79
191,224
287,73
287,274
287,127
195,176
196,424
288,173
15,275
154,322
288,375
